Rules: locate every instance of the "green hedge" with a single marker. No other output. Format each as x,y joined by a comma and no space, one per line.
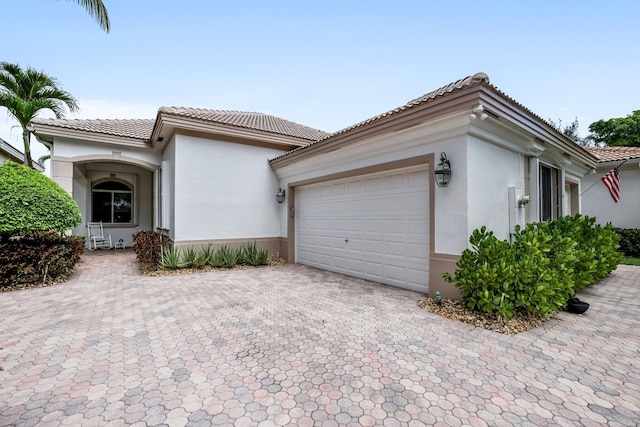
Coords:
30,201
629,241
39,257
547,263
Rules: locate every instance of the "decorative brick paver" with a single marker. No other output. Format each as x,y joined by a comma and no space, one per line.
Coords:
292,345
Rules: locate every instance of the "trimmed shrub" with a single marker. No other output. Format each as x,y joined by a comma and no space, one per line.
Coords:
548,263
629,241
38,257
597,250
148,246
30,201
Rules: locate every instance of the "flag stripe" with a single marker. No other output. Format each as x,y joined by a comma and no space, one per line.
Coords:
612,182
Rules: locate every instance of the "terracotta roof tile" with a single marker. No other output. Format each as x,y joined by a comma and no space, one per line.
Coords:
473,80
476,79
457,85
613,154
249,120
128,128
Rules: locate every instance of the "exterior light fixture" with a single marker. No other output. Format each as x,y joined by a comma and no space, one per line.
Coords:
280,195
443,171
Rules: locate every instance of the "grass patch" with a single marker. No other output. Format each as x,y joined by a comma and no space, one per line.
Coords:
630,261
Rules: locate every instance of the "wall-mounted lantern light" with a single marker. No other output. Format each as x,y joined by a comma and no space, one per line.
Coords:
443,171
280,195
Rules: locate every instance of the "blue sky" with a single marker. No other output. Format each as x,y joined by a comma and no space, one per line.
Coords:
328,64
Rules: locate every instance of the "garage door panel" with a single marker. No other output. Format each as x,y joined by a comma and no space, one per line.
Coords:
374,269
339,206
394,248
340,264
374,247
395,272
384,217
355,266
374,184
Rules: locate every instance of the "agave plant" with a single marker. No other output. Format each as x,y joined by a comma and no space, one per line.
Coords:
229,256
170,258
188,258
203,257
251,255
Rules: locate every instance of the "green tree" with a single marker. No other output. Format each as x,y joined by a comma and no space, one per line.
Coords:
98,11
30,201
620,131
570,130
25,93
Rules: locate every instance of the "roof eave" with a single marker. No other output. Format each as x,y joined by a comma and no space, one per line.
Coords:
401,118
169,124
45,132
520,118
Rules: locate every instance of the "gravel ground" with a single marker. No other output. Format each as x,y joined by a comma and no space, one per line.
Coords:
456,310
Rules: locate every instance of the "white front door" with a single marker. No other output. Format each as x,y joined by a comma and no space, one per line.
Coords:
374,227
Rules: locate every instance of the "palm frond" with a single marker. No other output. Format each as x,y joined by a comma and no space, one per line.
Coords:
98,11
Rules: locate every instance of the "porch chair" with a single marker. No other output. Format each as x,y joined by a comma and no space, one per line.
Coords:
97,238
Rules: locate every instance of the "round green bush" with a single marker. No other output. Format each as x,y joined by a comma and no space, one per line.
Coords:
30,201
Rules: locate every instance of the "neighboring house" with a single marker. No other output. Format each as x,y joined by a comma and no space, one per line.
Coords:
362,201
596,200
9,152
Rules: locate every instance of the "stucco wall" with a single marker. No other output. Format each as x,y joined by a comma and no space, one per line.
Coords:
223,190
492,170
169,188
75,148
597,202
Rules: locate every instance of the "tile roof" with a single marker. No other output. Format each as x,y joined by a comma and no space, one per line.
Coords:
469,81
612,154
143,128
128,128
452,87
249,120
473,80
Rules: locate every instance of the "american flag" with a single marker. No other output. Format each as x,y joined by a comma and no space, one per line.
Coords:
612,182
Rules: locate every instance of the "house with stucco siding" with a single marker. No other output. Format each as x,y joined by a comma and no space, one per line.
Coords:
362,201
596,200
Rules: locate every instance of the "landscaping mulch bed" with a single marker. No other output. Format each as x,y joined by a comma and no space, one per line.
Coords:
151,271
22,286
456,310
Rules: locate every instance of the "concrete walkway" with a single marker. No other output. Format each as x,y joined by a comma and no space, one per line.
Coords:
297,346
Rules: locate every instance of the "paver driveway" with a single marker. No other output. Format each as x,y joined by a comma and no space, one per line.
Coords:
297,346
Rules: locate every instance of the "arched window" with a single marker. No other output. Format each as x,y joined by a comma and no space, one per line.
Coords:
111,202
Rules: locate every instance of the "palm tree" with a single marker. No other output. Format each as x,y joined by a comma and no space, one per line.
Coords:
98,10
25,92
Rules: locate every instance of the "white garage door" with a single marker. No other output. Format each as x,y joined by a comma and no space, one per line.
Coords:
375,227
